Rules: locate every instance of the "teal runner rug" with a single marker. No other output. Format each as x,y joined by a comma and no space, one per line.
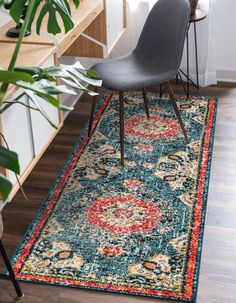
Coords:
136,229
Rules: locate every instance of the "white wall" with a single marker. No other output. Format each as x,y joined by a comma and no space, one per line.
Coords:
137,11
224,25
4,19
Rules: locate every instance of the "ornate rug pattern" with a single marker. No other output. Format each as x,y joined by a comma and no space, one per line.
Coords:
135,230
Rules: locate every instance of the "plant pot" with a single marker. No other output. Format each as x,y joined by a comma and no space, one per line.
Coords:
193,4
1,226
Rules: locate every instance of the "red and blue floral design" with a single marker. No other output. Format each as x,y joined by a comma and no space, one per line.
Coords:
135,230
123,215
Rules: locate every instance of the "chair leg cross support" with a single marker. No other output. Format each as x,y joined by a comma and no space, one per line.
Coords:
10,270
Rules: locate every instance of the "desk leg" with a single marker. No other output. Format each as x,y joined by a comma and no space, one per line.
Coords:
196,54
187,65
10,270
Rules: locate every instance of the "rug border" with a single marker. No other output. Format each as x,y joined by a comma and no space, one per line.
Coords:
206,193
108,95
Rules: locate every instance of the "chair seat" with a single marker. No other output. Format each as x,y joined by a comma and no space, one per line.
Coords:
132,72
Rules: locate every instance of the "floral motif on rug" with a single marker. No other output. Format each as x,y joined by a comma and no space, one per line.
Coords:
135,229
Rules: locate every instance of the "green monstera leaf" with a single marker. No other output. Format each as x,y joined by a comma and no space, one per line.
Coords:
8,160
52,8
42,83
13,77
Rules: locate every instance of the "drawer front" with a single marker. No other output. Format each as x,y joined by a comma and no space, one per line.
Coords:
17,131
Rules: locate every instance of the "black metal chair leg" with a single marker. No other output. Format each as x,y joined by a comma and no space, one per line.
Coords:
94,102
145,103
172,97
161,90
10,270
122,127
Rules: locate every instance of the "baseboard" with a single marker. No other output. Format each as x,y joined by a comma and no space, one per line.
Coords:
226,75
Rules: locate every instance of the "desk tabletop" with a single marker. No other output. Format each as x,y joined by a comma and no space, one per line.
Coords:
199,15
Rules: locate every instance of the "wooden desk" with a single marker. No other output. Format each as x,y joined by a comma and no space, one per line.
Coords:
88,38
26,131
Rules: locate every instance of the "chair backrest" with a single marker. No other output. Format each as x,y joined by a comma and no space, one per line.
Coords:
162,38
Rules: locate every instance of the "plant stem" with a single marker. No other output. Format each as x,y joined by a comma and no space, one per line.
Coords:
4,108
10,103
16,101
12,64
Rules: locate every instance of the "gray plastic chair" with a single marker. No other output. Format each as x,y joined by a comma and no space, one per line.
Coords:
155,60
